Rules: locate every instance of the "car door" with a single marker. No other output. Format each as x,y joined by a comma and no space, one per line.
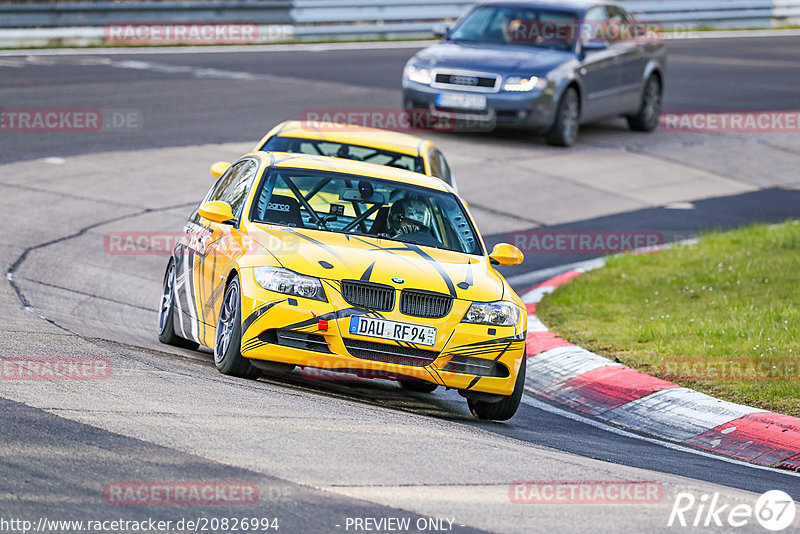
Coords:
599,70
189,258
224,246
631,60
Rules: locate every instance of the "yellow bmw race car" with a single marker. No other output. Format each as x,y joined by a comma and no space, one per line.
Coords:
393,149
317,262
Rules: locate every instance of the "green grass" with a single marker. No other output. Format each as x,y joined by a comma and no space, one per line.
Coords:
721,316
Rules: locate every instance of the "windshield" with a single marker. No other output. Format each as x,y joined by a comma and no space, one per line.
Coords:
358,205
315,147
541,28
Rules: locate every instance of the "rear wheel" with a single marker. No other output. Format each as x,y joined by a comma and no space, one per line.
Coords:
228,340
564,131
646,120
506,408
419,386
166,313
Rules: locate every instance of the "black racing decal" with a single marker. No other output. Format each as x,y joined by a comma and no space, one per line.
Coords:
247,323
437,266
487,347
216,293
368,273
252,344
333,285
489,342
434,374
467,283
325,264
328,248
424,255
474,381
391,250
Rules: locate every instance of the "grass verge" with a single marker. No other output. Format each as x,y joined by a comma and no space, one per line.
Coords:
721,316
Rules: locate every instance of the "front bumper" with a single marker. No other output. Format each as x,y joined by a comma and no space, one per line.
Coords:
533,110
315,334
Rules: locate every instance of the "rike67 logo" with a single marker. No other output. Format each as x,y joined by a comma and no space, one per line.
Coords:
775,511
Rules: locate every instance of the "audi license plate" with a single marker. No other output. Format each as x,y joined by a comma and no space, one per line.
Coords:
410,333
460,101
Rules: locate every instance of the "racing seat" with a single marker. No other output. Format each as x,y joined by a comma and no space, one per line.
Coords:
380,225
281,210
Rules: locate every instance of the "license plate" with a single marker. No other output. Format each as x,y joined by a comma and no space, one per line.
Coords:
459,101
410,333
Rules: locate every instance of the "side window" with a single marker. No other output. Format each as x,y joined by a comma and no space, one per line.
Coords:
618,22
594,28
234,186
439,166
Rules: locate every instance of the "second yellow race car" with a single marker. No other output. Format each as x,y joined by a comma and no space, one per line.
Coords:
347,266
373,145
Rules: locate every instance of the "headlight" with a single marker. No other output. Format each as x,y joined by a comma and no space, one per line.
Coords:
289,283
518,83
418,75
493,313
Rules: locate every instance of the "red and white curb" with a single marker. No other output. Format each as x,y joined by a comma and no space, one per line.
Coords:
598,387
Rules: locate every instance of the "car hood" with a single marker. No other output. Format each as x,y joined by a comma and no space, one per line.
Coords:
339,256
504,59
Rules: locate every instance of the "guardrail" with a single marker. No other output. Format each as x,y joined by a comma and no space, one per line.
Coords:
82,22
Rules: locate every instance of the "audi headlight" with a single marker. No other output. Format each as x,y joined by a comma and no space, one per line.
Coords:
493,314
520,84
289,283
418,75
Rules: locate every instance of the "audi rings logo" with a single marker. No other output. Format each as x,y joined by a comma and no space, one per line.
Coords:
459,79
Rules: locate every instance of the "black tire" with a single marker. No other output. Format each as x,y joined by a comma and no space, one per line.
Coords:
418,386
506,408
166,313
228,357
564,131
649,114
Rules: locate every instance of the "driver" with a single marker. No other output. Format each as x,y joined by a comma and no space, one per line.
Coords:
410,219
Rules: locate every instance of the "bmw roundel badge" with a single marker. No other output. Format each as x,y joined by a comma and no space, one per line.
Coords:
397,280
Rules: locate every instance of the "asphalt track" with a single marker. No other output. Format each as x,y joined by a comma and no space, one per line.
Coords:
323,451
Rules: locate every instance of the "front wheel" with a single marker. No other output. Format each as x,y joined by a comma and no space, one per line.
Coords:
564,131
166,313
228,357
506,408
649,114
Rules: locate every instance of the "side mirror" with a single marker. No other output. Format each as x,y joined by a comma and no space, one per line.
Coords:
219,168
506,255
217,211
593,46
441,30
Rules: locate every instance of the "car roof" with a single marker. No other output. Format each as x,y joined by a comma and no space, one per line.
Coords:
402,143
359,168
572,5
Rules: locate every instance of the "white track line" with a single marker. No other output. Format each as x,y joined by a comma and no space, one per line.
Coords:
549,408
